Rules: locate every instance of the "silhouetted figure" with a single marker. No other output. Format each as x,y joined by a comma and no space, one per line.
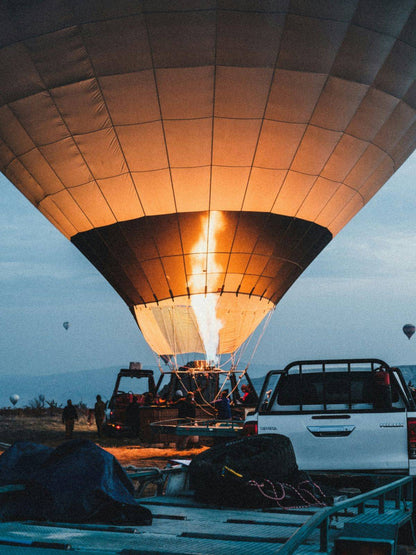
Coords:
99,414
223,407
249,396
149,399
178,395
69,415
186,411
186,407
133,417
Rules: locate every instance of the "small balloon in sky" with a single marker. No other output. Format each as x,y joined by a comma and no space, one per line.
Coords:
14,398
409,330
66,325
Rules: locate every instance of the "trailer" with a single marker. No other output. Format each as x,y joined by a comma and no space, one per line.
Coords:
375,521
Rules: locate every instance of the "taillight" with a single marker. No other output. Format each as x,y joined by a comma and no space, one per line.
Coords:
250,428
411,437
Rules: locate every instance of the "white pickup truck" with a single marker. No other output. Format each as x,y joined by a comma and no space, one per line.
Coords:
341,415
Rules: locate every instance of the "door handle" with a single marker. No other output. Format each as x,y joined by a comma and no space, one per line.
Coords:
331,431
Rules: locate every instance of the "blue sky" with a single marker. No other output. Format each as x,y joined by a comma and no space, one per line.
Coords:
351,302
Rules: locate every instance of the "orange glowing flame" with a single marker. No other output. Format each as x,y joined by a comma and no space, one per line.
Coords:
206,269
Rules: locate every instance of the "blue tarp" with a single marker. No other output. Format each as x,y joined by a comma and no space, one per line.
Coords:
76,482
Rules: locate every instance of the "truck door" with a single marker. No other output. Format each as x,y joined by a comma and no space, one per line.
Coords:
333,422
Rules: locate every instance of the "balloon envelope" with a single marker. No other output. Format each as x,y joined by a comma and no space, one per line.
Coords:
14,399
66,325
202,157
409,330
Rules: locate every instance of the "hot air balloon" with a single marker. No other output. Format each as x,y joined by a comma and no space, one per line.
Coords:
409,330
201,155
13,399
66,325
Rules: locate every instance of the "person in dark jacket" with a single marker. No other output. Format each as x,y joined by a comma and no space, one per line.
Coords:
133,417
223,407
249,397
69,415
99,414
186,407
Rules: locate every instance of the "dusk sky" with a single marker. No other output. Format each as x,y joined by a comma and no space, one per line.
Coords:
351,302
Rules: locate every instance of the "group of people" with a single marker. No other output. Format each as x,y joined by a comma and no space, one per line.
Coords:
223,404
70,415
185,404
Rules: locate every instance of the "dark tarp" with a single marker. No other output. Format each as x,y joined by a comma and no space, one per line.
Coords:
76,482
227,474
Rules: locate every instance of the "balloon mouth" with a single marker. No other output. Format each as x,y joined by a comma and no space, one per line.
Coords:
171,326
205,322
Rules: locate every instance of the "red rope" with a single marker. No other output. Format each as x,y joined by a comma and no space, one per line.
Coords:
284,487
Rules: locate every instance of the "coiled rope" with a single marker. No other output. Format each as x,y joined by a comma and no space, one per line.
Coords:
269,490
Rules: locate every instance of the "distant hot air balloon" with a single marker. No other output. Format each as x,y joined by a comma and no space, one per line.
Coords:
201,155
409,330
66,325
14,398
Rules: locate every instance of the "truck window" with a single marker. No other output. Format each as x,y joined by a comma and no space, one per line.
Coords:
336,390
269,386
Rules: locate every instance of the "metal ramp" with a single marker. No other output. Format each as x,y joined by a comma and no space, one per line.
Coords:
183,526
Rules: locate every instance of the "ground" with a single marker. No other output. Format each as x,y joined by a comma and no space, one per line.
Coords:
49,430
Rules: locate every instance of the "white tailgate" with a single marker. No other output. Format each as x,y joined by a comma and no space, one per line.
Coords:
354,441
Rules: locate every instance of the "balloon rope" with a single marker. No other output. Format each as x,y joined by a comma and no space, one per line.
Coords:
187,391
263,331
238,354
200,393
222,386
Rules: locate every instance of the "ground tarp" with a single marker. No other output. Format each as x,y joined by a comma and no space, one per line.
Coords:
76,482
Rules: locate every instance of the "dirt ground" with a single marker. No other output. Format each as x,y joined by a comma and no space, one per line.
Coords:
49,430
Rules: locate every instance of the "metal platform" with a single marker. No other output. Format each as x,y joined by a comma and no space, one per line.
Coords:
183,526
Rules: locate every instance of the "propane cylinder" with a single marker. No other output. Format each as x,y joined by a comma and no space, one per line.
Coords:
382,390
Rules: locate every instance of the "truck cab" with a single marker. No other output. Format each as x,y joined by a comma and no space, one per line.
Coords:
131,383
156,409
356,414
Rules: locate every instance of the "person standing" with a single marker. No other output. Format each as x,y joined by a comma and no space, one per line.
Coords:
99,414
69,415
133,417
